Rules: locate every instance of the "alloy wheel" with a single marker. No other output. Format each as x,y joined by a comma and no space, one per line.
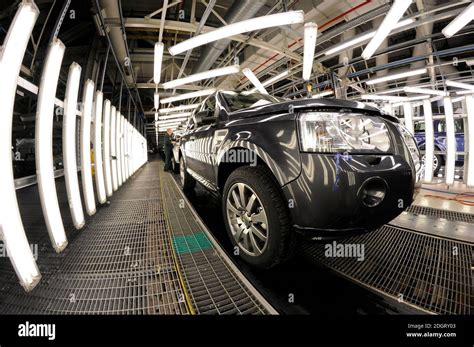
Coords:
247,219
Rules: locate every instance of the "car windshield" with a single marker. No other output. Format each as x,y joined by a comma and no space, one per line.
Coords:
237,101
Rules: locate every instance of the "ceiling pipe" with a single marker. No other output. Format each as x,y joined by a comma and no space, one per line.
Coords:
240,10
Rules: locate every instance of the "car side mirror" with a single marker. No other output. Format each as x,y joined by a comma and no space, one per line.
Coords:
204,117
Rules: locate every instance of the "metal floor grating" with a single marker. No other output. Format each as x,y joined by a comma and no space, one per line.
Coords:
445,214
430,273
122,262
214,284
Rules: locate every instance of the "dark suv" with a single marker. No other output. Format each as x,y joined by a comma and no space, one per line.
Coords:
322,168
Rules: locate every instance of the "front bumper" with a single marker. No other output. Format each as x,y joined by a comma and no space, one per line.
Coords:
327,197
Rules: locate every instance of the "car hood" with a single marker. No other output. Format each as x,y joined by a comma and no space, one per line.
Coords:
310,104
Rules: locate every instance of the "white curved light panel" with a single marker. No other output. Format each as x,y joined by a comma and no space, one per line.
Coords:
99,171
86,168
113,147
69,146
12,231
106,148
44,145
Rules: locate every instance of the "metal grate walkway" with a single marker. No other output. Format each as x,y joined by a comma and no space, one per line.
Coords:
430,273
444,214
216,286
122,262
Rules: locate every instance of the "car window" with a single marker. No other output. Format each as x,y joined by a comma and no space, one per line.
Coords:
419,127
440,126
237,101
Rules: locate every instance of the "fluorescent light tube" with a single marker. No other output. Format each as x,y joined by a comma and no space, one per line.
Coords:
118,149
106,138
426,91
322,94
127,142
450,141
156,100
179,108
177,115
98,165
460,85
254,80
397,76
158,62
11,225
188,96
272,80
86,173
113,148
364,37
429,140
459,22
393,16
122,147
279,19
171,121
464,92
44,145
383,97
469,107
69,146
228,70
310,35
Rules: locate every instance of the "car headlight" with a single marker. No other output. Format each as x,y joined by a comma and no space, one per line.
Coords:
349,132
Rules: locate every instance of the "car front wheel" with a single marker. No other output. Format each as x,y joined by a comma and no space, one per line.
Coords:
256,218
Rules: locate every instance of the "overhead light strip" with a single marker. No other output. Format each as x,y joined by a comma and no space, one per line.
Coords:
178,108
426,91
310,35
254,80
264,22
393,16
158,61
197,94
364,37
460,85
459,22
397,76
228,70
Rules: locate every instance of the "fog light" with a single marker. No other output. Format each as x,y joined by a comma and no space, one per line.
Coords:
372,192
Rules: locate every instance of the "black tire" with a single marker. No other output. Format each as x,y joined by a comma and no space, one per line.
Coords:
437,162
187,181
281,239
174,165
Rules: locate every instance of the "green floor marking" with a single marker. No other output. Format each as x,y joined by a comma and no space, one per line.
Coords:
191,243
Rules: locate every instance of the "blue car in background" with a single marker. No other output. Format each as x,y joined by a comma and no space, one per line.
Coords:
440,140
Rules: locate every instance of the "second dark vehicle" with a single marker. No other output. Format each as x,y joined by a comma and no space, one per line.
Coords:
323,168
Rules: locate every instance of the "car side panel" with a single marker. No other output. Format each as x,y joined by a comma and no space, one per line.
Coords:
272,137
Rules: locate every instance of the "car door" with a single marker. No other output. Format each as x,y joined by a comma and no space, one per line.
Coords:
199,142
